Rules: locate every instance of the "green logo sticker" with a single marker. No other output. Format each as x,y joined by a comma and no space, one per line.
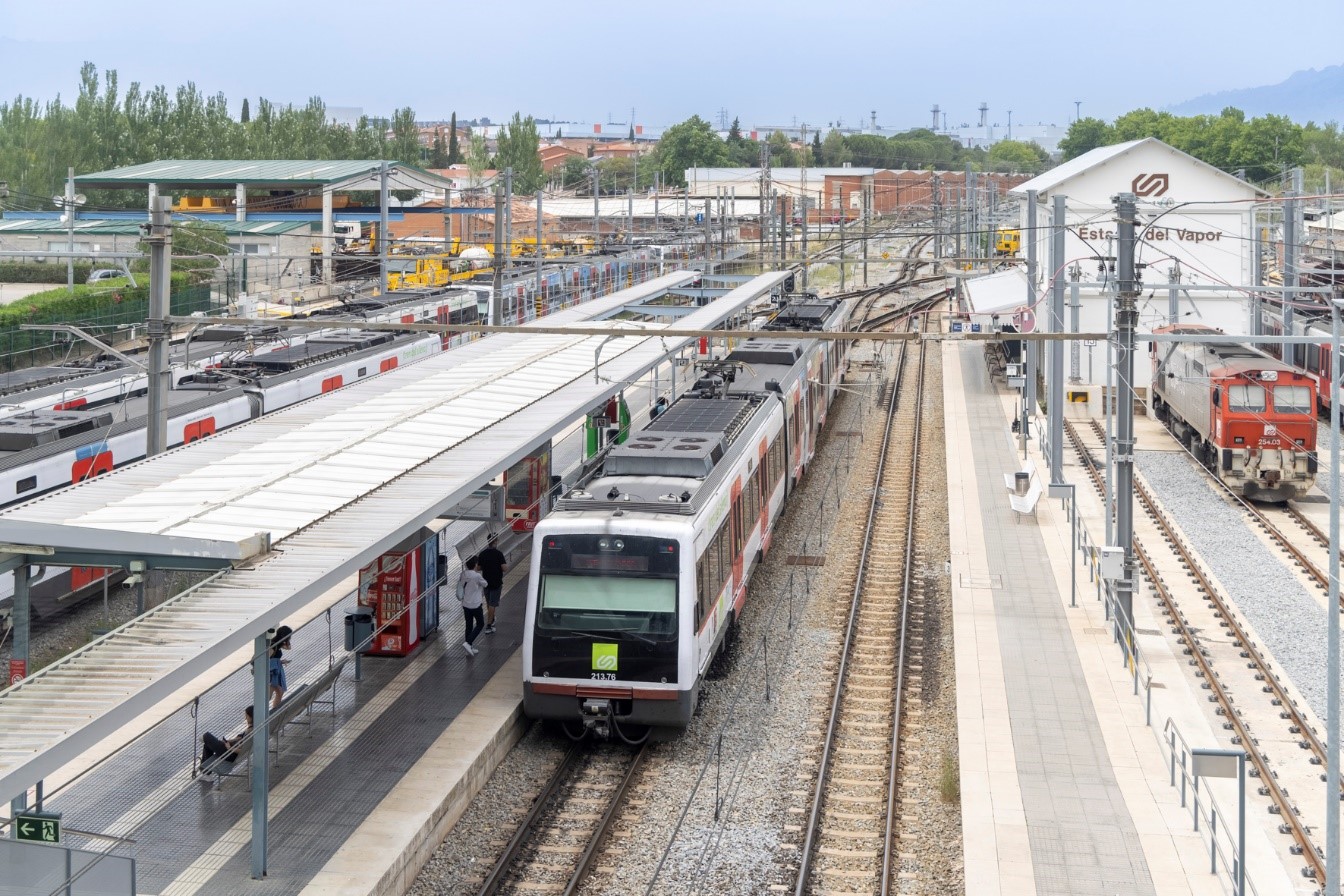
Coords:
604,657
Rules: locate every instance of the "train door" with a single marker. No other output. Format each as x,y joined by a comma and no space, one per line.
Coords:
527,489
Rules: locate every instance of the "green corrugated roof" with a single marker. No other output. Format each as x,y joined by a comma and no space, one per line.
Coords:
129,227
218,174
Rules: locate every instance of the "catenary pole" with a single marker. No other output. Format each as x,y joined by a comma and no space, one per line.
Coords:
1126,321
1332,881
1290,239
160,242
1032,349
382,229
1056,374
497,290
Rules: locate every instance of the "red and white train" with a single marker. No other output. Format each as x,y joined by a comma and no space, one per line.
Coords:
641,570
49,449
1248,417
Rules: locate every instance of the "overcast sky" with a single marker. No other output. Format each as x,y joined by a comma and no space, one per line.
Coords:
779,62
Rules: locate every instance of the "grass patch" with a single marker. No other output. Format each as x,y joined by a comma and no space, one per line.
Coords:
949,780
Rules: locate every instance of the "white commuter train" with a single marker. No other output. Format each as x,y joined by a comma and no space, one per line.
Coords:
641,570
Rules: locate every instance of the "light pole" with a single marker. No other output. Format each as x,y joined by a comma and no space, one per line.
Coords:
68,203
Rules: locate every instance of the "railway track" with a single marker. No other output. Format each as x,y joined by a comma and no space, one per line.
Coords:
848,845
556,844
1189,636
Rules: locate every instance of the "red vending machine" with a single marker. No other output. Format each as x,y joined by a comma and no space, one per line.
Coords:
400,589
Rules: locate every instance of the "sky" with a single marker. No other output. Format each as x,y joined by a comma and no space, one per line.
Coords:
820,62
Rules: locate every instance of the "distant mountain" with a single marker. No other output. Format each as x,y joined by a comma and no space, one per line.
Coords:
1309,95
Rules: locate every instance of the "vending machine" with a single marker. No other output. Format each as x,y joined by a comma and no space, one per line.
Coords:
400,589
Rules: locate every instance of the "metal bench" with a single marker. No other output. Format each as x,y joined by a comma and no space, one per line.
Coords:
1024,504
298,702
1010,479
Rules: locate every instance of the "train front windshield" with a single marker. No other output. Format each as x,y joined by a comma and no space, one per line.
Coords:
608,584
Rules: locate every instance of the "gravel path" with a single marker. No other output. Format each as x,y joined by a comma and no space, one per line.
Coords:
1288,621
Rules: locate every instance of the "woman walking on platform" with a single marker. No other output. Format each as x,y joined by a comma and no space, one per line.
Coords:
471,592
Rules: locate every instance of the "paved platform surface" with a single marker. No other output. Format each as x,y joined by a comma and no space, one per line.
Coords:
1064,788
374,781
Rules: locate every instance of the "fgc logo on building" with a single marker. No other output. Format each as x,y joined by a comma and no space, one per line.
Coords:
1148,185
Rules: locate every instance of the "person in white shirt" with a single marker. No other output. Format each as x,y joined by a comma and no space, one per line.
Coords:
471,594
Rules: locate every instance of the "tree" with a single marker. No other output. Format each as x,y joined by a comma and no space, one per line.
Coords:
782,153
454,151
834,152
735,133
1015,156
631,137
405,145
478,159
816,149
438,156
1085,135
574,172
246,114
690,144
518,145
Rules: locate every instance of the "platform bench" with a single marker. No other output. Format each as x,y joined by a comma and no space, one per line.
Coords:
297,703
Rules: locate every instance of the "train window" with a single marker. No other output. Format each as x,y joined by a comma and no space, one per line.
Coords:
1246,399
1293,400
1314,358
26,484
362,371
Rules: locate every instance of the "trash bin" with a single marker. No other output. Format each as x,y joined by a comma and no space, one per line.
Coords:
358,629
1021,484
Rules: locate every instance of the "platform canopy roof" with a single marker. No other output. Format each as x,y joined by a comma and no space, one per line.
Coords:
339,175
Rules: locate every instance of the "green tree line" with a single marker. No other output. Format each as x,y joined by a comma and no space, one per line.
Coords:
1261,149
108,128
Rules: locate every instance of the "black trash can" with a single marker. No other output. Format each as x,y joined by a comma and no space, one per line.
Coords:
358,629
1021,482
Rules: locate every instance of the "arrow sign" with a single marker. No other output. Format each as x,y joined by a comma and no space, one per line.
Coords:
39,828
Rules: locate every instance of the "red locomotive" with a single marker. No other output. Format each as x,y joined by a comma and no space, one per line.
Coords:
1248,417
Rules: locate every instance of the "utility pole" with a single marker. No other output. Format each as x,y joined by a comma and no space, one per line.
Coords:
1056,374
867,203
1126,321
842,248
160,242
1030,347
1173,294
937,202
1290,257
597,183
508,218
803,159
69,208
761,217
1332,630
497,291
630,218
1075,309
540,277
382,229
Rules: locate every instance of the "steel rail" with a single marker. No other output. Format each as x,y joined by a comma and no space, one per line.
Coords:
906,588
818,796
1292,824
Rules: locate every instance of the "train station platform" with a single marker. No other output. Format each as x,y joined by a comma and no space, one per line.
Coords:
359,798
1064,786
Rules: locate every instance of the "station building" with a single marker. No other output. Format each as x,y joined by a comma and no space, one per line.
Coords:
1196,239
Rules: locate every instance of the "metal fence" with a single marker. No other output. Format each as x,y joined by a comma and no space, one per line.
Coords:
21,348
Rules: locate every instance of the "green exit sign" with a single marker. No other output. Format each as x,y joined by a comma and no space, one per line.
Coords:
39,828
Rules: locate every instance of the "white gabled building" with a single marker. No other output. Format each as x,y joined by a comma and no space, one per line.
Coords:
1192,218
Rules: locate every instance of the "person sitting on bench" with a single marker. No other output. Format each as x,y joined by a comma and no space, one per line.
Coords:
217,751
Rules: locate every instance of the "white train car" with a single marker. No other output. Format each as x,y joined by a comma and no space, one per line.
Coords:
641,570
